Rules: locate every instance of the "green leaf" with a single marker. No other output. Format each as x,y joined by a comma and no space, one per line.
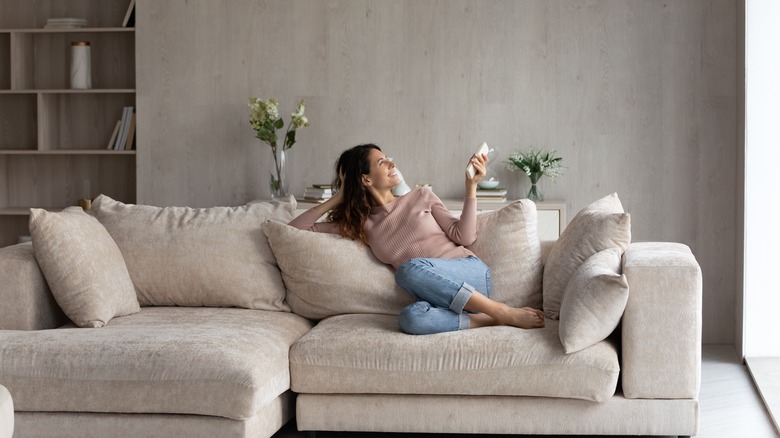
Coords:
266,135
290,140
278,123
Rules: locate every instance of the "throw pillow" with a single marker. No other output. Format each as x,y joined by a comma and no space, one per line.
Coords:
508,242
213,257
328,275
594,301
83,266
599,226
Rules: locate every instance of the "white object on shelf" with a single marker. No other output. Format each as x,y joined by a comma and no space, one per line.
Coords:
80,65
402,188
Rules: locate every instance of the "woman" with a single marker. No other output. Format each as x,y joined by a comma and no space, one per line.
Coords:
421,239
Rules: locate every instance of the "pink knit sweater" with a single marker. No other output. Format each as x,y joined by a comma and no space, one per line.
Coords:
414,225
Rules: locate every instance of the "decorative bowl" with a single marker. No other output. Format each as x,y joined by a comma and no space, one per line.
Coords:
488,184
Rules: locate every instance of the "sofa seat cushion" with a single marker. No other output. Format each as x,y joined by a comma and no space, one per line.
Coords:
207,361
367,354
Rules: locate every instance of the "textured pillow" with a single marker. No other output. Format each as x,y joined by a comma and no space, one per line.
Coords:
83,266
214,257
508,242
328,275
599,226
594,301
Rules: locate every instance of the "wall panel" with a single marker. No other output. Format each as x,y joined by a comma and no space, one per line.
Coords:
639,97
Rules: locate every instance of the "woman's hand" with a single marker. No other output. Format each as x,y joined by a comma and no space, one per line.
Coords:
480,168
333,201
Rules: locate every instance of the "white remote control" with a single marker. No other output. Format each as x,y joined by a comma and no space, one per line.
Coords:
483,149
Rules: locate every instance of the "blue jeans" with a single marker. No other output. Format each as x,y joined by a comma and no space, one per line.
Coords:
442,286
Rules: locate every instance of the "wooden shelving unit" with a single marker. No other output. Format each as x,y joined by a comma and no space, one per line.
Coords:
52,138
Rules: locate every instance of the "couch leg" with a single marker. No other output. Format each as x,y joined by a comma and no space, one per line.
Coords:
311,434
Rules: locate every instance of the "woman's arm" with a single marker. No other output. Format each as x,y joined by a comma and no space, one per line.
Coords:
462,231
308,219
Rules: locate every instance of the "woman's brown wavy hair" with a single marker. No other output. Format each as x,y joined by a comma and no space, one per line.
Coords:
351,214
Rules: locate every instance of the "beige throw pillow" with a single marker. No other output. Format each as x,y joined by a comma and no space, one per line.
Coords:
213,257
328,275
83,266
508,242
594,301
599,226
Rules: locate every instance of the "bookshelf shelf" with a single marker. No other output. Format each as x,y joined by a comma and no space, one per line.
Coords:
70,91
65,152
24,211
53,139
67,31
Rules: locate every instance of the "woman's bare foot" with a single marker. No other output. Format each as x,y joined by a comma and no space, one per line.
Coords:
525,317
500,313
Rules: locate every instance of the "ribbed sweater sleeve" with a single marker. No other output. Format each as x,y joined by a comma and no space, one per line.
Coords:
308,221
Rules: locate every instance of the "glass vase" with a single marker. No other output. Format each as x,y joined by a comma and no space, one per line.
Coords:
278,181
534,194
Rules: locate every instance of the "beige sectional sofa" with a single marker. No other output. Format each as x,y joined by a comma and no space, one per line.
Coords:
242,323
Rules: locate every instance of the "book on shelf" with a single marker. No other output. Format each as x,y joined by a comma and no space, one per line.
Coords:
491,193
124,129
318,192
131,135
129,20
314,191
491,199
65,23
114,135
311,200
316,195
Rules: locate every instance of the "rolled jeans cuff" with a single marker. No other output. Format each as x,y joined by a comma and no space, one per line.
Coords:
464,321
463,295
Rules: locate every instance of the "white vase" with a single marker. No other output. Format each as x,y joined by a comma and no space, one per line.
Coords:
278,180
80,65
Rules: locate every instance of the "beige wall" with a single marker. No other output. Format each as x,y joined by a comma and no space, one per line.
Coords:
639,97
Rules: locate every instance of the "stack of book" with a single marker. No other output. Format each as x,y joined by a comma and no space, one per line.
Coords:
124,131
65,23
318,192
491,195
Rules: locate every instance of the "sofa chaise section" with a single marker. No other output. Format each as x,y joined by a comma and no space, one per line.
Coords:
225,363
204,361
161,372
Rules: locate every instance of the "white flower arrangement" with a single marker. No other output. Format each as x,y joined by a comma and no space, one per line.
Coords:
264,119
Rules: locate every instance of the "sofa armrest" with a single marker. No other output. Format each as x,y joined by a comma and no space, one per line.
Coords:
27,302
661,330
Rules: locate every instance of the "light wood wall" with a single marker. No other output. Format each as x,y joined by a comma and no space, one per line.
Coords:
639,97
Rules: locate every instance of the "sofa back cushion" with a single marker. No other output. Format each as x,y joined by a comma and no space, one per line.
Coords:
326,274
181,256
83,266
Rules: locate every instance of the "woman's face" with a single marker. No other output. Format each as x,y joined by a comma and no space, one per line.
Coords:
382,174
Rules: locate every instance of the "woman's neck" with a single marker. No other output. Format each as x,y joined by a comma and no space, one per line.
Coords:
382,197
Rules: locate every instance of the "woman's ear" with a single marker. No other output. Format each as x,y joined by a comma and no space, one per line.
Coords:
366,180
